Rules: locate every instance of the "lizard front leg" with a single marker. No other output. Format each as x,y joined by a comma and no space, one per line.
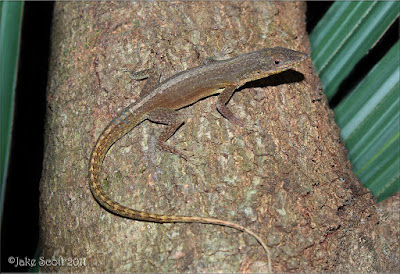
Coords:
223,99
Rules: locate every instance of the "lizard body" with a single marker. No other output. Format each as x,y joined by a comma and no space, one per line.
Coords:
159,104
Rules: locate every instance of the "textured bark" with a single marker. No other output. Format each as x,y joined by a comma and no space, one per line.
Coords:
289,180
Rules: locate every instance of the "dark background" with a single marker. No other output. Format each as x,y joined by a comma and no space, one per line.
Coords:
20,224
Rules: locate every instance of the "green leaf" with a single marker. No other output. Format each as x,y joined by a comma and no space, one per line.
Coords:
10,24
370,123
369,115
345,34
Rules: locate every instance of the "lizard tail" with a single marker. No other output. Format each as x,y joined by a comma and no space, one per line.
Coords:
114,131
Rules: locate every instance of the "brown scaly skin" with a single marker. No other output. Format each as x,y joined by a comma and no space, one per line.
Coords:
159,104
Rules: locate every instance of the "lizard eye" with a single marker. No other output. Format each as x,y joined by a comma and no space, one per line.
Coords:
277,61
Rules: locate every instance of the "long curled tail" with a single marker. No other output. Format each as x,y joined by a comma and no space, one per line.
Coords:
117,128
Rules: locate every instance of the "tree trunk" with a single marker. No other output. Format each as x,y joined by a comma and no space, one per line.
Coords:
289,180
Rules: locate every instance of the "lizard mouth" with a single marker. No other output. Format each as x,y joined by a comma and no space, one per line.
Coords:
286,67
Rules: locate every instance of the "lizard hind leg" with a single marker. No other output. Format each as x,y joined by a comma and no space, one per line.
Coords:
152,76
174,120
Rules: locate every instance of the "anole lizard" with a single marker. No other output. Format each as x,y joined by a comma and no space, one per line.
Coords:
159,102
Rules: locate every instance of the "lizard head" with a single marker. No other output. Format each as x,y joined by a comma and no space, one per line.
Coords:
271,61
263,63
278,59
